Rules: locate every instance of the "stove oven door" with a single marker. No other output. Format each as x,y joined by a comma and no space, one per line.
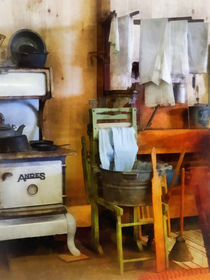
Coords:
31,183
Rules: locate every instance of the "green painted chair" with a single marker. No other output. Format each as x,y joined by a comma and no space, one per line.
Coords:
104,118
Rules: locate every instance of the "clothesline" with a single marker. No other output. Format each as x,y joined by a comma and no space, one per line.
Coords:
138,21
189,19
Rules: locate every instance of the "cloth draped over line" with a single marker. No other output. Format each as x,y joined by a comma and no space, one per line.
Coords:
169,59
179,47
198,46
114,35
168,50
161,94
117,144
152,39
155,62
121,52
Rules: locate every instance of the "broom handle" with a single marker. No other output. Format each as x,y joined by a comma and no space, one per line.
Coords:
182,202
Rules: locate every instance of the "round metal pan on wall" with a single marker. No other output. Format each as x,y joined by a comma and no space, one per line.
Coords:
27,49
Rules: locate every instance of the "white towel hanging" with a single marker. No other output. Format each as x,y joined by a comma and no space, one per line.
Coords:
179,47
198,47
121,62
114,35
159,95
125,148
117,145
151,49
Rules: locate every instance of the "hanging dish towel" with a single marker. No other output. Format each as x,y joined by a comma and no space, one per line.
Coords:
106,149
155,62
125,148
121,62
159,95
198,47
152,39
162,65
179,47
114,35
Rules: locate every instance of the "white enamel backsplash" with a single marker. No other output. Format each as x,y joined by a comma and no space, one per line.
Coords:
22,84
43,177
17,112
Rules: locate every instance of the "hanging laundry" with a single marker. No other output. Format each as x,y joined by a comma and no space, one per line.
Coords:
125,148
152,41
114,35
121,62
155,62
162,65
135,60
106,149
159,94
198,47
179,47
117,148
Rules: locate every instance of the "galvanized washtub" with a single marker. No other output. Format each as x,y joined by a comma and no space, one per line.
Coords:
129,188
126,188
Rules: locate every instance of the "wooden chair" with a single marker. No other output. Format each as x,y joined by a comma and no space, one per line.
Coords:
105,117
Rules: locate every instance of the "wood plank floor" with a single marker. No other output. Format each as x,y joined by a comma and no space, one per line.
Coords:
195,244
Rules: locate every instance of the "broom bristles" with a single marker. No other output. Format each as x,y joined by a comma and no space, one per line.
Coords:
180,251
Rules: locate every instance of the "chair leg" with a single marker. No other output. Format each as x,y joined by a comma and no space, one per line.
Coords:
164,182
95,228
119,243
169,222
136,228
166,221
165,230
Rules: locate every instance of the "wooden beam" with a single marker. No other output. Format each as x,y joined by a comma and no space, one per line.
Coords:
103,8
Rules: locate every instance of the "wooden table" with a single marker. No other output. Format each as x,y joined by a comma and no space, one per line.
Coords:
175,141
167,141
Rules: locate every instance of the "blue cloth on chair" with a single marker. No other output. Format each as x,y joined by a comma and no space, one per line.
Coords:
106,149
125,148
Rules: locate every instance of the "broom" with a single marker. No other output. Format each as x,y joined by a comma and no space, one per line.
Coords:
180,251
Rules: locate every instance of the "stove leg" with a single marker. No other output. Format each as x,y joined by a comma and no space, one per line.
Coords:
71,230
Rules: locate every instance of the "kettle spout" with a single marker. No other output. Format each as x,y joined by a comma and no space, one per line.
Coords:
19,131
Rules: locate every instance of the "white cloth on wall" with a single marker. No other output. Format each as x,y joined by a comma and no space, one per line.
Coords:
153,32
179,47
106,149
155,62
125,148
114,35
198,46
121,62
162,66
136,39
159,94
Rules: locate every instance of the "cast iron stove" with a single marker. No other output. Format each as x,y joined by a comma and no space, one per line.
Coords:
32,183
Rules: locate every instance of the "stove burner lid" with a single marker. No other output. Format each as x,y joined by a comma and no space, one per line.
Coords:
43,145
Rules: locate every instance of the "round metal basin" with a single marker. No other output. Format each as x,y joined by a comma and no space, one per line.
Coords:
126,188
